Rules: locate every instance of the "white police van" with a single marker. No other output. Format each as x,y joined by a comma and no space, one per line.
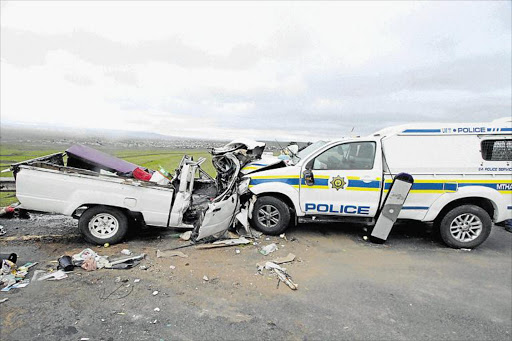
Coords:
462,180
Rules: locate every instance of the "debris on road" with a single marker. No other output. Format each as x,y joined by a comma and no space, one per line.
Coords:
126,252
2,230
4,300
155,292
170,253
186,235
56,275
281,273
224,243
157,309
280,260
268,249
136,280
205,278
65,263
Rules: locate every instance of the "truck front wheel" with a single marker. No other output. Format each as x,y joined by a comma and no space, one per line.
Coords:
270,215
102,224
466,226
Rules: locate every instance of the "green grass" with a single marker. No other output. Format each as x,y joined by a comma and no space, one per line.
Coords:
151,158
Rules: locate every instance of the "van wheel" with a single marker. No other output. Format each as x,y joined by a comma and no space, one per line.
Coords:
102,224
270,215
466,226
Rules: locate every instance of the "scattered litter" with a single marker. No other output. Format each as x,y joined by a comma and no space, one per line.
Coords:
170,253
365,237
155,292
4,300
237,251
186,235
232,235
267,238
172,267
156,309
122,295
2,230
143,267
205,278
125,263
283,236
136,280
224,243
463,249
289,258
84,339
153,322
106,245
286,278
126,252
65,263
57,275
268,249
89,264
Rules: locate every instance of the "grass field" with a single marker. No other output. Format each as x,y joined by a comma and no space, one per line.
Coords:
153,159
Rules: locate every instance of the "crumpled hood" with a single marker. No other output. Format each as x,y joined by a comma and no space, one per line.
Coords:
263,164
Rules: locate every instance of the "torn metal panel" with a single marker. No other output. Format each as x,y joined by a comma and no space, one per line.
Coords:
218,218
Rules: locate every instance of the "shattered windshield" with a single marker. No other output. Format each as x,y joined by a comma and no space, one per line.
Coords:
308,150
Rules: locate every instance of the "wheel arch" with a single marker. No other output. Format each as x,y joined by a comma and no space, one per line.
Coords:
138,216
485,203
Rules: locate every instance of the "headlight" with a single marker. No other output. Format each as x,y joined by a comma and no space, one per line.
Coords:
244,186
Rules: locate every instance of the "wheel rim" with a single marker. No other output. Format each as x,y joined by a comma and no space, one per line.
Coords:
269,216
103,225
466,227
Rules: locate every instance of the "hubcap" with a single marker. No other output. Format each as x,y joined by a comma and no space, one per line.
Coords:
268,215
103,225
466,227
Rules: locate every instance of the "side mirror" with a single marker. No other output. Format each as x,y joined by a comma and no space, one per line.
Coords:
309,178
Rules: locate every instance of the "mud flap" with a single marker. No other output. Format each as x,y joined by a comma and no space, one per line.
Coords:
392,206
218,217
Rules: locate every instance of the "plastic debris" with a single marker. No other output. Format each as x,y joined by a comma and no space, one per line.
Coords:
4,300
136,280
156,309
268,249
2,230
170,253
172,267
205,278
66,263
237,251
186,235
155,292
283,236
57,275
89,264
463,249
126,252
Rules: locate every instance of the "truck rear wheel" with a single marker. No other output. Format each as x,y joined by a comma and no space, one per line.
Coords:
103,224
270,215
465,226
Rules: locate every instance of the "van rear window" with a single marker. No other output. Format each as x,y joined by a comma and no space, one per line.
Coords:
497,150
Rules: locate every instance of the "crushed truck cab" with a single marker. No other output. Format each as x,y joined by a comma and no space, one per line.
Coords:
462,180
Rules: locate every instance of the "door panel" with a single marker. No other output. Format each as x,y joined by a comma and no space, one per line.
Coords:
347,180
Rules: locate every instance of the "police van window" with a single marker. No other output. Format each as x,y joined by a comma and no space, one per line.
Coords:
347,156
497,150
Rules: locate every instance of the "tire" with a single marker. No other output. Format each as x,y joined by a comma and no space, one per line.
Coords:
270,215
465,226
103,224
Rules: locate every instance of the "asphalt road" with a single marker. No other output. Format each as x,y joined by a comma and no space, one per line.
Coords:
411,288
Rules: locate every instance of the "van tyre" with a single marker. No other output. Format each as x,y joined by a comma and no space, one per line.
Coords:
103,224
270,215
465,226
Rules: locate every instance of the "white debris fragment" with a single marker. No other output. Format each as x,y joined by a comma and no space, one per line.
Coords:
365,237
136,280
205,278
155,292
463,249
126,252
156,309
172,267
237,251
268,249
186,235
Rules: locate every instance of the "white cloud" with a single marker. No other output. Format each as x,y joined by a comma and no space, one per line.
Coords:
223,69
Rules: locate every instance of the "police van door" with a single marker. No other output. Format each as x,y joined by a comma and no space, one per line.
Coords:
343,180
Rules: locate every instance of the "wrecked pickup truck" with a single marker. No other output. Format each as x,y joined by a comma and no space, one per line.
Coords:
108,195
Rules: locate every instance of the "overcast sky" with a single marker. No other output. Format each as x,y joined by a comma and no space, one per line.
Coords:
262,70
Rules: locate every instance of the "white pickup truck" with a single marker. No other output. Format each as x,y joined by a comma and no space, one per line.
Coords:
99,190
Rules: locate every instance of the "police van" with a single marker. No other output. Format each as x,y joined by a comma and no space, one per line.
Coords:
462,180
